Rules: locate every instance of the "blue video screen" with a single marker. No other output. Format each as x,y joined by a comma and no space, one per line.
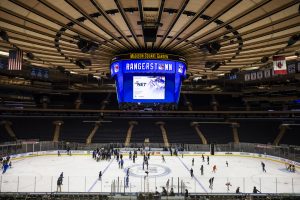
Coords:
148,81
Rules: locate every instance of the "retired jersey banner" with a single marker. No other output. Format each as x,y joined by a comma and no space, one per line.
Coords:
259,75
247,77
279,65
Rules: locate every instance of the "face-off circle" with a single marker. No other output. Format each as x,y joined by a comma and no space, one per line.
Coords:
153,169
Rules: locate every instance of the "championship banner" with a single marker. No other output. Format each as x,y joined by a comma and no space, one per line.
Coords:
247,77
259,75
279,65
267,73
253,76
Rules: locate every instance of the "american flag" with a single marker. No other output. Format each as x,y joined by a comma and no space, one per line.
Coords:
15,59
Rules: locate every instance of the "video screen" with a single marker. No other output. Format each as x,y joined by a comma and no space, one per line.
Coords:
149,87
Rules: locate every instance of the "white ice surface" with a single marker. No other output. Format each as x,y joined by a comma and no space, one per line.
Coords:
39,174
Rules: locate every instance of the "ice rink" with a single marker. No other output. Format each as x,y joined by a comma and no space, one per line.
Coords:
40,173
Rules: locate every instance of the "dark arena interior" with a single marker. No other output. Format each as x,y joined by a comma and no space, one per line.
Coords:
150,99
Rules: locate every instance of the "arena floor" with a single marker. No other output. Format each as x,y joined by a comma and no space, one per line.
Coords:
39,174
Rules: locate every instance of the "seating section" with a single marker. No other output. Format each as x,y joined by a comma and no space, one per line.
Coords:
111,132
33,128
291,135
146,129
258,131
74,129
217,133
180,131
4,137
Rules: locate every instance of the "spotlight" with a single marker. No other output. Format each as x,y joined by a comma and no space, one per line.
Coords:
83,63
61,69
216,66
87,46
4,36
293,40
214,47
30,55
234,71
264,59
79,63
213,65
211,48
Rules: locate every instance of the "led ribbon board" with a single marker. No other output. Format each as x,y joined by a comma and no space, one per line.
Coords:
148,77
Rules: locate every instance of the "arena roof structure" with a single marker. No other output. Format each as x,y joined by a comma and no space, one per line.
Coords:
215,37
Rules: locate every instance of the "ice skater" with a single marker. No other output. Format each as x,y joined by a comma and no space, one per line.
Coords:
61,176
58,153
214,169
207,160
226,163
228,184
211,183
237,190
100,175
202,158
201,169
127,181
193,162
163,158
167,184
69,151
263,166
5,167
59,183
127,173
122,163
133,159
192,172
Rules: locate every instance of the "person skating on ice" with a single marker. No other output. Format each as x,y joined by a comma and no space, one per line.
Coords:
201,169
207,160
202,158
237,190
100,175
214,169
228,184
192,172
193,162
263,166
226,163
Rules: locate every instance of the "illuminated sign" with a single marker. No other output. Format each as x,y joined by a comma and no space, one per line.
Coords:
149,66
148,80
148,56
160,56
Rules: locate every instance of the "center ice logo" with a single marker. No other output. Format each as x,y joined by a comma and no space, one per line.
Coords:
153,169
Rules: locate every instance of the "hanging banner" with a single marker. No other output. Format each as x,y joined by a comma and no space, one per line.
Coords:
259,75
253,76
247,77
279,65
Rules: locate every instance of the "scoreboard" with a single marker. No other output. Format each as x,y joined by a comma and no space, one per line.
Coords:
148,77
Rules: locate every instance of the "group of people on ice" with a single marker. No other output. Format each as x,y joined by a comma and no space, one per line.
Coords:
6,163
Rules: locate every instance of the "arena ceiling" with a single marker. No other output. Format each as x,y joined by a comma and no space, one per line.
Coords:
247,31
